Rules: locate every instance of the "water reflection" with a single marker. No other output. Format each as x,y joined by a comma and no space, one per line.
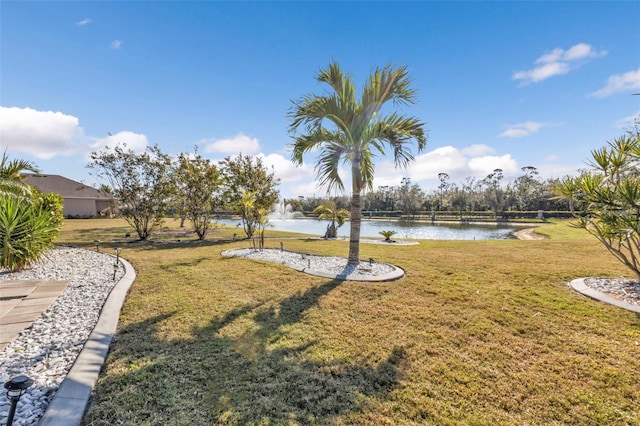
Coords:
404,230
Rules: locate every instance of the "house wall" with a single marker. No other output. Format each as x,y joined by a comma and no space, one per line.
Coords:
75,207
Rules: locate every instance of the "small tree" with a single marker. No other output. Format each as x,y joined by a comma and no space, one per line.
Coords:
347,128
198,182
141,183
245,179
606,200
335,215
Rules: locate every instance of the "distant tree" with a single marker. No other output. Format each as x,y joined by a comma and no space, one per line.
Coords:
526,189
334,215
246,176
460,198
494,194
348,129
198,194
409,197
142,184
442,187
606,199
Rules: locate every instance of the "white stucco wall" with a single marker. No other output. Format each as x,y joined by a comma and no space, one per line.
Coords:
78,207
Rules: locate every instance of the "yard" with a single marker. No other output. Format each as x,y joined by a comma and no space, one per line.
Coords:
478,332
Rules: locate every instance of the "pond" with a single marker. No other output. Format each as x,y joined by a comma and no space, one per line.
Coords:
404,229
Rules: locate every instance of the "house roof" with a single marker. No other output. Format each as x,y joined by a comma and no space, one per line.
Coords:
67,188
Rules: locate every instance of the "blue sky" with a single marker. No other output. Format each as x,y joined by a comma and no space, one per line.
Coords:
500,84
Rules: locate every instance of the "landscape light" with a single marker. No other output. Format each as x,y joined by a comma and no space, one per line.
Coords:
16,387
115,265
97,244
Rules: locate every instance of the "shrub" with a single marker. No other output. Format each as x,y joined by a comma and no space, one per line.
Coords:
387,234
28,227
606,200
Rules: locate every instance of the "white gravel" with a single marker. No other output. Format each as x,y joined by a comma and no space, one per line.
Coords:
623,289
309,262
46,351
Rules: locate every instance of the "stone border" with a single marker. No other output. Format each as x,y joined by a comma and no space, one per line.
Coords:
579,286
70,401
395,274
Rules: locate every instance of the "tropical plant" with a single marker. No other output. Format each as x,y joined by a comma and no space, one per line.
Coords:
198,195
141,183
334,215
351,130
606,200
387,235
27,229
29,220
12,178
247,180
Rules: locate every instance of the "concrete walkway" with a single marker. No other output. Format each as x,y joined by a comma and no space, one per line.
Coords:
21,302
71,399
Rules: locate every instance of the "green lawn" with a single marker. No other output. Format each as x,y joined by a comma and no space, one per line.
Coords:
478,332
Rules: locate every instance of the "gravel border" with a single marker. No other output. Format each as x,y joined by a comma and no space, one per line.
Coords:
48,349
323,266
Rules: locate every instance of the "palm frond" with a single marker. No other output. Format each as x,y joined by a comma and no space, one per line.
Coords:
13,169
328,164
305,143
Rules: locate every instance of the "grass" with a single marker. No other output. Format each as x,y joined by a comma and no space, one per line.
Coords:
478,332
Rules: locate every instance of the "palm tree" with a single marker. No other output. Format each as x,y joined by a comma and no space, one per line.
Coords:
335,215
11,177
350,130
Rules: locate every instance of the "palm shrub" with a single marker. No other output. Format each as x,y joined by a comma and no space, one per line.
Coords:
606,200
387,235
28,227
335,215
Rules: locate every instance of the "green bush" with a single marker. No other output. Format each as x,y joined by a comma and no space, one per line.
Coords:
28,227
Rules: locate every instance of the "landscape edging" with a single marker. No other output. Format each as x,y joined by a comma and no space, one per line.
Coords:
70,401
579,285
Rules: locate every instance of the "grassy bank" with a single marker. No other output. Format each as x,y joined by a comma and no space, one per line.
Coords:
478,332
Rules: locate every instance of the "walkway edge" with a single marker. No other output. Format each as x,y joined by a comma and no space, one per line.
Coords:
579,286
71,399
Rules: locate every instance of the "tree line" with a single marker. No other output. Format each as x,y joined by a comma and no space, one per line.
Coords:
526,193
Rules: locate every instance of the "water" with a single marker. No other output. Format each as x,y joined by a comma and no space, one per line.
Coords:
404,230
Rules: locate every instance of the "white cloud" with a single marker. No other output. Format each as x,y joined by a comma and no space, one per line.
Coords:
619,83
477,150
628,121
484,165
84,22
522,129
306,189
558,62
115,44
134,141
43,134
239,143
458,163
285,170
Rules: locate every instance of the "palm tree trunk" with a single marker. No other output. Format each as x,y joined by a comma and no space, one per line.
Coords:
356,214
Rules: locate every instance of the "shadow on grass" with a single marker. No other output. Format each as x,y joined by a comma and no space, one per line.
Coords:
261,376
